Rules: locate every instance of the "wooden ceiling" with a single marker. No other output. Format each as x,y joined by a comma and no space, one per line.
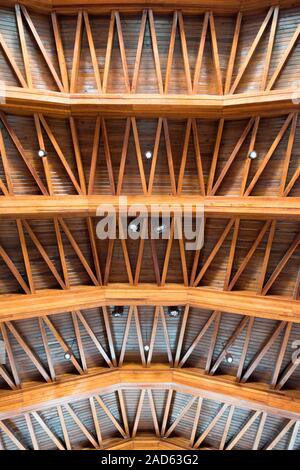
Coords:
200,86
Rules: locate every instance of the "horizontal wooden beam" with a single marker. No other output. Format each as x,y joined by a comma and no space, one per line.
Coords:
218,6
53,301
192,381
25,101
148,442
216,206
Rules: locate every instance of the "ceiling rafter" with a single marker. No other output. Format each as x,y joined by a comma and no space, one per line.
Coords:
157,377
258,208
83,19
83,297
147,358
190,402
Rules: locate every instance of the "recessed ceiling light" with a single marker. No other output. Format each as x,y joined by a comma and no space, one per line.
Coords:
148,155
67,356
117,312
42,153
253,155
147,348
173,312
229,358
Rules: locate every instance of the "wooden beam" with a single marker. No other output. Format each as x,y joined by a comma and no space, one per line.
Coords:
76,53
81,426
148,442
281,434
214,206
261,103
52,301
180,416
12,436
283,59
12,62
110,415
68,389
244,429
211,425
233,52
139,52
252,50
219,6
48,431
60,51
42,48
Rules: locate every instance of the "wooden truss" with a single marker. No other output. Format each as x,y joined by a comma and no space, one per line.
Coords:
193,290
185,383
67,84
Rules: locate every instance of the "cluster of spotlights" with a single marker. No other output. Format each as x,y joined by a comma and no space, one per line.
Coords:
118,312
173,312
135,228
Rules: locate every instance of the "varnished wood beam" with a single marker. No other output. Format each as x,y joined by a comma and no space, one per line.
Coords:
192,6
214,206
263,103
53,301
68,389
149,443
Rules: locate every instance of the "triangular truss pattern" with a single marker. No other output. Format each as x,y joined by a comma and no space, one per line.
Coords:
131,342
239,59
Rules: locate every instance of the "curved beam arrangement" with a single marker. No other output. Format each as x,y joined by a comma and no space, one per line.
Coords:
150,443
52,301
158,377
267,103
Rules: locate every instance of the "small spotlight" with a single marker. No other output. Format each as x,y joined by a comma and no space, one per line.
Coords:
229,358
118,312
173,312
253,155
42,153
148,155
160,228
67,356
135,228
147,348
